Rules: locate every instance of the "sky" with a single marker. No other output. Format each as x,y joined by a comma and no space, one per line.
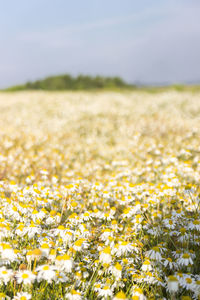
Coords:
147,41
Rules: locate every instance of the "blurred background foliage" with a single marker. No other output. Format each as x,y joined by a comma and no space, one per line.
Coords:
67,82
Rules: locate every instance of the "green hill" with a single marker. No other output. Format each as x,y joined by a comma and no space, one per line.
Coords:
67,82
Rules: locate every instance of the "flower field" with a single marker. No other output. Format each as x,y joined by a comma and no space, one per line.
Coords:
99,195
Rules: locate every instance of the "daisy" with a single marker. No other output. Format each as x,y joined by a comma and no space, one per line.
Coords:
53,219
197,288
120,296
13,213
169,223
42,214
117,271
97,186
5,275
32,230
128,212
60,231
80,244
107,216
185,260
52,254
105,255
106,233
73,295
194,225
4,297
7,252
137,293
20,229
22,296
97,287
34,215
64,262
46,272
124,248
188,283
86,216
67,237
61,277
168,263
33,254
172,284
105,292
146,266
154,254
45,248
183,235
25,277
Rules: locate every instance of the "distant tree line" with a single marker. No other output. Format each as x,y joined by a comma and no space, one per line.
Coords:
67,82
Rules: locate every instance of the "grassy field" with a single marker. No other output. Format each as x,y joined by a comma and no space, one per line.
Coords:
99,195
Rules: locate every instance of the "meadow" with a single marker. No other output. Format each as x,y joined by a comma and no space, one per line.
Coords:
99,195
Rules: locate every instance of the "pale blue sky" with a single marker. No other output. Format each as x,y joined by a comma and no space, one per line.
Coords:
150,41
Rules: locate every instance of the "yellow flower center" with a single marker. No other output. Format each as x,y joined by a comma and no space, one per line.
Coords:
156,249
124,243
6,246
61,227
73,292
36,252
25,276
182,230
172,278
120,295
66,257
189,280
107,250
196,222
118,267
186,255
78,243
45,246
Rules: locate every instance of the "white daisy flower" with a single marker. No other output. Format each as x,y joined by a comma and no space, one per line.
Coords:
5,275
105,255
154,254
120,296
22,296
172,284
64,263
73,295
117,271
137,293
25,277
168,263
7,252
105,292
32,230
46,272
185,260
122,248
146,266
194,225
